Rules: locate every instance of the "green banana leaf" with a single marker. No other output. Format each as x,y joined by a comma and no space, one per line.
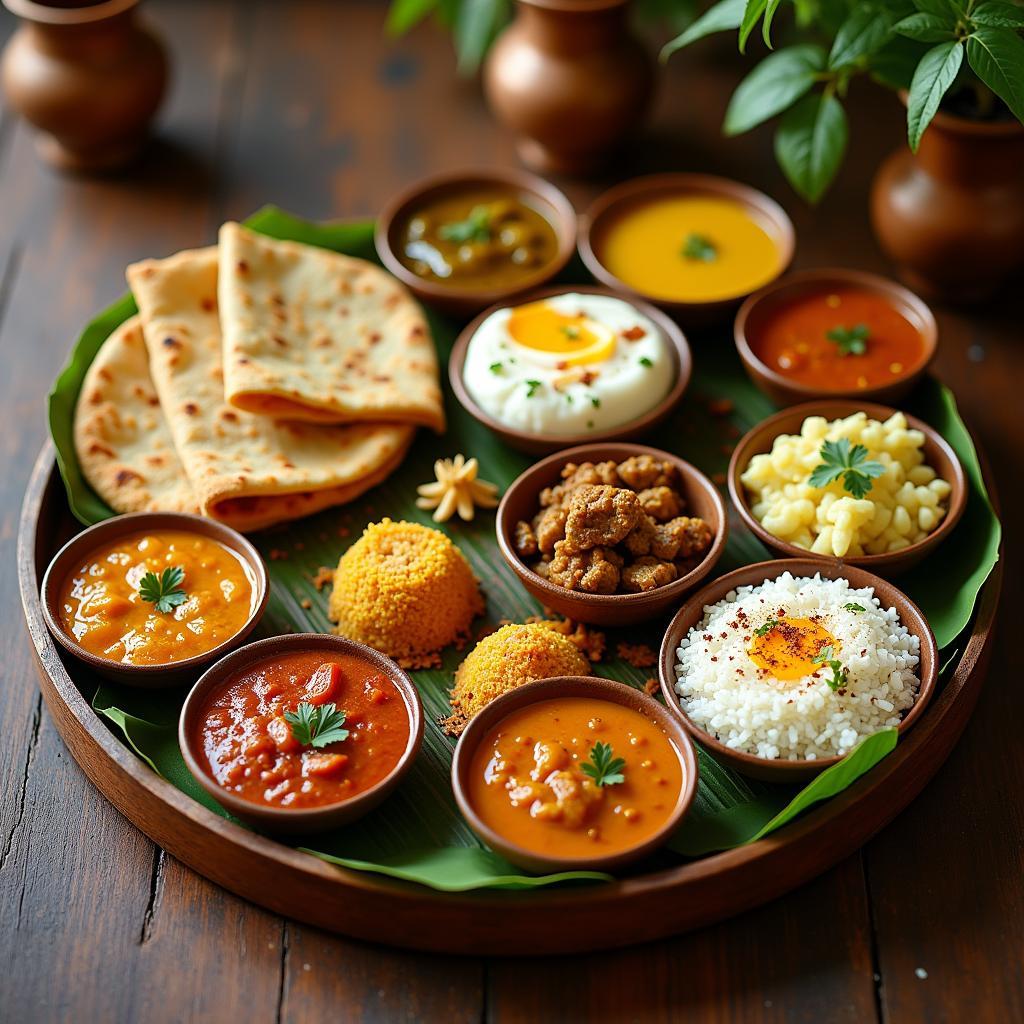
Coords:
418,835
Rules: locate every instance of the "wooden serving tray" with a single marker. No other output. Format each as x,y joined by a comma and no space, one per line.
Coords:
545,920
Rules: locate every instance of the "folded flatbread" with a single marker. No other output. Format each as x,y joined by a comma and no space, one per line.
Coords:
123,442
249,471
313,335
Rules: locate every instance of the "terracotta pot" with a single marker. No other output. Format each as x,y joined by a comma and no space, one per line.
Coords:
952,216
570,79
88,76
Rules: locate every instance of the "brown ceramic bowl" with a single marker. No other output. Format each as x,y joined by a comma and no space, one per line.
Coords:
521,501
784,391
149,676
304,820
453,298
572,686
693,612
937,452
541,444
771,216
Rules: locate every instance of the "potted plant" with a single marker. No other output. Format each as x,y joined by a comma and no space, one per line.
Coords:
950,209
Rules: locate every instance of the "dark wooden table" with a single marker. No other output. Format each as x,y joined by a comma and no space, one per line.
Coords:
309,105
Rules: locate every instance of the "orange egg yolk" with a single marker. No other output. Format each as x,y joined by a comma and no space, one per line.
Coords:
575,337
787,650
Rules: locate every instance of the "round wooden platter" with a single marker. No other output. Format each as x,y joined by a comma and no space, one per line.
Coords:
485,922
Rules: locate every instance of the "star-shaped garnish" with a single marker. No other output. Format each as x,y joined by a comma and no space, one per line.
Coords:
456,489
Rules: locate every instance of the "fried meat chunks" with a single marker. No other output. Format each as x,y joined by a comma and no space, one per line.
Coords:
611,528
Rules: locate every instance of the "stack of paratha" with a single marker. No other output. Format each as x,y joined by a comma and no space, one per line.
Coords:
261,381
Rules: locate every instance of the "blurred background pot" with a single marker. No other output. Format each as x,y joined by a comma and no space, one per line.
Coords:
570,80
88,76
952,215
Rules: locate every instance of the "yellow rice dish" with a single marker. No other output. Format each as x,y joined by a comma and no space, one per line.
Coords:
510,657
898,502
405,590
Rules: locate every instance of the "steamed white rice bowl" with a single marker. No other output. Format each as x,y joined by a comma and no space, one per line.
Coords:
747,708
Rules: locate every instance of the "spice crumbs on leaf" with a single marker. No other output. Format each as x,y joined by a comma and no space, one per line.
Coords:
323,577
720,406
306,603
277,555
637,655
651,686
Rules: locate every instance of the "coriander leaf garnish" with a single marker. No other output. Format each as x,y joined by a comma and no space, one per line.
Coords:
595,401
475,228
851,607
839,459
826,657
571,332
164,590
604,769
766,628
531,387
644,361
699,247
852,341
495,367
317,725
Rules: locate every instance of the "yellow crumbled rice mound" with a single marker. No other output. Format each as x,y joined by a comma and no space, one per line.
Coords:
405,590
509,657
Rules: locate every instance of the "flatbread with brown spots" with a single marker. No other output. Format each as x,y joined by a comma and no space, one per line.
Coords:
123,442
312,335
249,471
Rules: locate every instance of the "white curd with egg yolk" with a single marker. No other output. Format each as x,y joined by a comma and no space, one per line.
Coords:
569,364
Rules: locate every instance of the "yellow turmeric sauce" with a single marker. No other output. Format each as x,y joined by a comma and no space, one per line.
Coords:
527,783
689,248
102,608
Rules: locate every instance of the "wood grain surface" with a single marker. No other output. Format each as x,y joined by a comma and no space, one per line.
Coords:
309,105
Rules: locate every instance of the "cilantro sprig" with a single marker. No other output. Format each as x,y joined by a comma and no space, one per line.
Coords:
475,228
767,627
851,341
840,459
317,725
602,767
699,248
826,657
164,591
851,607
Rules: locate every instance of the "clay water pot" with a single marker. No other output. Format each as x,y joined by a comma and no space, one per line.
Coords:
952,216
570,80
88,76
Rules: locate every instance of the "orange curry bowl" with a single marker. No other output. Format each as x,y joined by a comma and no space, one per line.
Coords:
301,733
574,773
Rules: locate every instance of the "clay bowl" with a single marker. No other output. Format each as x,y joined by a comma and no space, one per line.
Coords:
571,686
938,454
305,820
540,444
693,612
765,210
521,501
784,391
453,298
150,676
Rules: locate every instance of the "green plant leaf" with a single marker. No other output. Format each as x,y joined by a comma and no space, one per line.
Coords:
751,16
925,28
859,37
810,143
723,16
934,75
405,14
773,86
997,57
942,9
998,14
476,24
769,17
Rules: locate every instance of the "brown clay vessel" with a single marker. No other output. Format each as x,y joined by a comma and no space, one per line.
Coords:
89,77
570,80
952,215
